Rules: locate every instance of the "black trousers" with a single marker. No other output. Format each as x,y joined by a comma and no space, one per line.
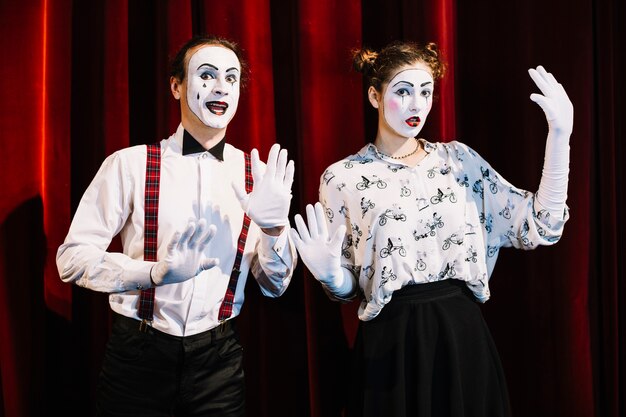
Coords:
150,373
428,354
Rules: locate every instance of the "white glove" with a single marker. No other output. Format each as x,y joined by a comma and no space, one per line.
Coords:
185,255
268,203
559,112
554,101
321,254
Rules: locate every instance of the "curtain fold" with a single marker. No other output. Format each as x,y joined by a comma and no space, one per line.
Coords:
331,120
179,29
538,312
83,79
34,203
249,24
606,273
54,144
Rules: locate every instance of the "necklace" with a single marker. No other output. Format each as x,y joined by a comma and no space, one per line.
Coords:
417,147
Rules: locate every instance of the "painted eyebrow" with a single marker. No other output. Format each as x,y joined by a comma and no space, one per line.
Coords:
209,65
426,83
232,69
399,82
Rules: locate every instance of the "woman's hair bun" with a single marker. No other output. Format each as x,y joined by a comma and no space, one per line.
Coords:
363,59
432,48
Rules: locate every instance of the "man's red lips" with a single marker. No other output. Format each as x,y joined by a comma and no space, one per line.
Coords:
217,107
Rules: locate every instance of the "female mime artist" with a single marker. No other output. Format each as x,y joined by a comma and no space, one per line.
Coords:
425,221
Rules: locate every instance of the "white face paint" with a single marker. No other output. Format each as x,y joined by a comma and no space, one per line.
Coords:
213,79
408,100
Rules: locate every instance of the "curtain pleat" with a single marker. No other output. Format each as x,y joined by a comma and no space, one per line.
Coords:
55,143
34,123
83,79
538,311
331,121
249,24
606,274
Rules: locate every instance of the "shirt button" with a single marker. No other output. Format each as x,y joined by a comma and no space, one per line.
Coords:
204,155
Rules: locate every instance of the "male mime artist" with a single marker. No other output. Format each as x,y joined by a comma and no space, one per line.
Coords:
179,208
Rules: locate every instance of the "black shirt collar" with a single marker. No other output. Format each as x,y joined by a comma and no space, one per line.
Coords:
190,145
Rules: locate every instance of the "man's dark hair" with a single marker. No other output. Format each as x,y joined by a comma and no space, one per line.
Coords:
178,64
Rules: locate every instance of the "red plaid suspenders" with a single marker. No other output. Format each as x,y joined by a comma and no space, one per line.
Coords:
151,209
226,309
151,226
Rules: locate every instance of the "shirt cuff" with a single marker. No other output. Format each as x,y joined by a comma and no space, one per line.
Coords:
137,275
275,246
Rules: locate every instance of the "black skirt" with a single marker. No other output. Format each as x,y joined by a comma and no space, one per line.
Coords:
428,353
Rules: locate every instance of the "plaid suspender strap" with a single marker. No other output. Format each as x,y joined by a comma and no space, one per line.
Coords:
151,226
226,309
151,216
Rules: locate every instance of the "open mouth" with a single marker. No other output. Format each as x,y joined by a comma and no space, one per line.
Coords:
217,107
413,121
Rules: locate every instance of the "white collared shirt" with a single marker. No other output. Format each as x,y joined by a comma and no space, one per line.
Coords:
447,217
192,186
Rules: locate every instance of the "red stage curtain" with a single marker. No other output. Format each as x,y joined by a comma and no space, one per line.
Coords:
34,208
539,307
331,120
608,228
83,79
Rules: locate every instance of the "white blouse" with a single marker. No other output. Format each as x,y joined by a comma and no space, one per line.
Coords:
446,217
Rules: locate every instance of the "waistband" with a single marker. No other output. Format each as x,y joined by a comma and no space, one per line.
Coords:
225,329
432,290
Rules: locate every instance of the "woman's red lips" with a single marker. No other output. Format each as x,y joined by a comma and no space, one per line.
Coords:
217,107
413,121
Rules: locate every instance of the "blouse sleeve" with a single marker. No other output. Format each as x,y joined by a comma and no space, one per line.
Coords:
510,216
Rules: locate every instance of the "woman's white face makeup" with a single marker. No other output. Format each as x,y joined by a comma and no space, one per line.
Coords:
407,100
213,79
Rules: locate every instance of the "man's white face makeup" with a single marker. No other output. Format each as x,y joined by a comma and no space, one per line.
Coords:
407,101
213,79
